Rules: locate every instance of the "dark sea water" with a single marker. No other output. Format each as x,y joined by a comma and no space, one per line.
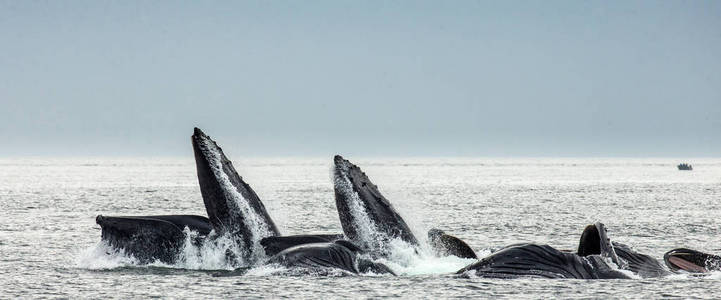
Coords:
50,245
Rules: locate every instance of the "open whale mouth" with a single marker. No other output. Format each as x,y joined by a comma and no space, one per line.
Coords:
691,261
595,241
590,243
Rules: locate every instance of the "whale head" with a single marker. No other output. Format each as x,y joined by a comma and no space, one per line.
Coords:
367,217
691,261
595,241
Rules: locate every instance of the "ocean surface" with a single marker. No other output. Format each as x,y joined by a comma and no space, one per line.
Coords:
50,245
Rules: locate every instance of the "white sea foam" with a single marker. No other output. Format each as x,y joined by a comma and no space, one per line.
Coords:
209,255
103,256
265,270
407,259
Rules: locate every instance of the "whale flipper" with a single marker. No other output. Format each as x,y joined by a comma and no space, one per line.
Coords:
151,238
444,244
232,205
367,217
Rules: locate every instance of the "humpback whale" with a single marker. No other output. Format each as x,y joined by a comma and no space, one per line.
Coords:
534,260
234,210
682,259
595,241
367,218
588,262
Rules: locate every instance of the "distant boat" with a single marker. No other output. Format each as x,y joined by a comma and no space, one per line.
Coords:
685,167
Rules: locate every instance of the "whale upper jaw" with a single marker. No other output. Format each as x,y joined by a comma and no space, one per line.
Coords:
367,217
232,205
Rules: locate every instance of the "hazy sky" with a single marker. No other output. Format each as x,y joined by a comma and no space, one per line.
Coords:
547,78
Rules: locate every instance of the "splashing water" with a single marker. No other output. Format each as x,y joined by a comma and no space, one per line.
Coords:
407,259
103,256
212,254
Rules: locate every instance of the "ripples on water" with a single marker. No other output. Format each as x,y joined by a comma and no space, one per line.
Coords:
49,239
